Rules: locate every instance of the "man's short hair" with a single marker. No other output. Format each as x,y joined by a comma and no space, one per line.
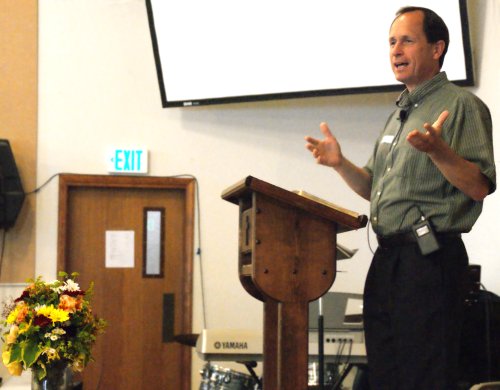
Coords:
434,27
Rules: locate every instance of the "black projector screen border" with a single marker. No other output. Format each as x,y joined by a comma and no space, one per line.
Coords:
191,65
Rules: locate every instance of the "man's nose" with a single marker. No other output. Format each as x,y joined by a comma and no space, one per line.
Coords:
396,49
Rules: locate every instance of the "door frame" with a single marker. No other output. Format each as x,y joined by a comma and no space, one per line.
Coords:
68,181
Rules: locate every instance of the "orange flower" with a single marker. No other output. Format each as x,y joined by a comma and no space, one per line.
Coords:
22,312
70,304
79,302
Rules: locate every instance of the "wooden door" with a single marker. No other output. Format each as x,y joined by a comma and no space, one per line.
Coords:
143,313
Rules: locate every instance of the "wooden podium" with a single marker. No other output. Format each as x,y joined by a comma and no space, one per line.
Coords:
287,258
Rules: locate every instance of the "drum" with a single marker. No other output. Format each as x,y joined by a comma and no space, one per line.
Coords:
214,377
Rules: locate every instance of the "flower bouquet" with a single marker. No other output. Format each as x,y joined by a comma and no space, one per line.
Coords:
50,325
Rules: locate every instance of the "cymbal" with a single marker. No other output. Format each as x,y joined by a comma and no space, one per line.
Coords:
188,339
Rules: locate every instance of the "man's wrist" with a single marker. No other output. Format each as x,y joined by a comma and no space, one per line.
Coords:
340,165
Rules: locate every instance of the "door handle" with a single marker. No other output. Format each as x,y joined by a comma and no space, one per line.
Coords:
168,318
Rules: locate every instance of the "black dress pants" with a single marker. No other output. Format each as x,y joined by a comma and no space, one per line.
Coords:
413,310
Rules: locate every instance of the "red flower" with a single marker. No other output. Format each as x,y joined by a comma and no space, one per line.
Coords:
42,321
25,294
74,293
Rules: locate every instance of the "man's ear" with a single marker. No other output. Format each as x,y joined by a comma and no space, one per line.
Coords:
438,49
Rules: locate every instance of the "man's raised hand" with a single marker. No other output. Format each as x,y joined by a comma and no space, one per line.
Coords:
431,140
326,151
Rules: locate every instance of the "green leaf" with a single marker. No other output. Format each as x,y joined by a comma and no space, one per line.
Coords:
31,353
16,353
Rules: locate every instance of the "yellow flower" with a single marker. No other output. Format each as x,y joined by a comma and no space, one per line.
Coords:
12,336
15,368
78,364
24,327
18,314
6,356
51,354
12,315
56,315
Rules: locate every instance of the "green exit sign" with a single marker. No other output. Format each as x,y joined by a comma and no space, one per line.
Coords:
128,161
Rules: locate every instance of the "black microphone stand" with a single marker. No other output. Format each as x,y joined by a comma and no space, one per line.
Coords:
250,365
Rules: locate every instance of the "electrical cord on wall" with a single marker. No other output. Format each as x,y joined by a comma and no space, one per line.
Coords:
198,249
4,231
44,184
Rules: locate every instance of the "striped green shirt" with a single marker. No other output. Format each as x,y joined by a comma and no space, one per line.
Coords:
406,182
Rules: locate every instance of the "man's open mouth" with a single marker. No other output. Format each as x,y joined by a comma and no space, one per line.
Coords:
400,65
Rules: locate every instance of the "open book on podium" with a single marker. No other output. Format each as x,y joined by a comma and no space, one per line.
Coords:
316,205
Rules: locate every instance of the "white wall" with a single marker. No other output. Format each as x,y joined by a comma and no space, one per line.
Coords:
98,89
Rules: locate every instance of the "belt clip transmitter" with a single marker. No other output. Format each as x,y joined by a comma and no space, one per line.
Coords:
424,234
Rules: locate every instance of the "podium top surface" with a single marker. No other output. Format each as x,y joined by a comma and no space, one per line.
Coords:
346,219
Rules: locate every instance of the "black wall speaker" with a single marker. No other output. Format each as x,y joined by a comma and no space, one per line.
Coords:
11,190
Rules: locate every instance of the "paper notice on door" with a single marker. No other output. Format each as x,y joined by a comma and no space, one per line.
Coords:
120,249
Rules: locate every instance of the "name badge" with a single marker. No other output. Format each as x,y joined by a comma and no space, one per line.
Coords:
387,139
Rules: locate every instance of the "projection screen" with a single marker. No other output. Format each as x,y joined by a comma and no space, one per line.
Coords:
224,51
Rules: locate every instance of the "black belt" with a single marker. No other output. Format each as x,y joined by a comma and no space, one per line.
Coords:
408,238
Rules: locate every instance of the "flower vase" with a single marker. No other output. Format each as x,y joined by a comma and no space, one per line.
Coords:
59,377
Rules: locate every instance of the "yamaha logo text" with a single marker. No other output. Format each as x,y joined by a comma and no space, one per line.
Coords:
231,345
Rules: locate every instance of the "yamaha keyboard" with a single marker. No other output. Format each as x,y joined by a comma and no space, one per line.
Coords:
247,345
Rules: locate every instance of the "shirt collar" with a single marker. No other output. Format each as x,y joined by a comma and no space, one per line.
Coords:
407,99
